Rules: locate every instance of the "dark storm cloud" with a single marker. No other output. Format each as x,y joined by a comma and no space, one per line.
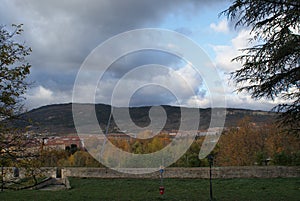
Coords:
139,58
62,33
152,95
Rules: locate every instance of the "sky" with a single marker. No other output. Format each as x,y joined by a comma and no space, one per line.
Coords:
63,34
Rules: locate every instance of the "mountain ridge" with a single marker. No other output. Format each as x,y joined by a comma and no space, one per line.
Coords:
57,119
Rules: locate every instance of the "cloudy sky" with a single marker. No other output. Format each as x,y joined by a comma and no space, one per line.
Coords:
63,34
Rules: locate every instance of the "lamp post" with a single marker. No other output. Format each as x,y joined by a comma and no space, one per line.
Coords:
210,160
161,188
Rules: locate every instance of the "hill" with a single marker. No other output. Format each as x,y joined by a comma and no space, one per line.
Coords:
58,119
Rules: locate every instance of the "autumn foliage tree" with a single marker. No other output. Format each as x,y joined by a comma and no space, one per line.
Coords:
13,71
249,144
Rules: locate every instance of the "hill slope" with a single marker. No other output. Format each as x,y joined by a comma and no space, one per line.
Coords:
58,119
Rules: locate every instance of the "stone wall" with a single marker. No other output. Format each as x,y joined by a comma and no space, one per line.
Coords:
9,172
201,172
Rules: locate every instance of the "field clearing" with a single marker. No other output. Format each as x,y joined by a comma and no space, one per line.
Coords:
175,189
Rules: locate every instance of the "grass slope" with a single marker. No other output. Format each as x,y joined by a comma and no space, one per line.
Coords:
175,189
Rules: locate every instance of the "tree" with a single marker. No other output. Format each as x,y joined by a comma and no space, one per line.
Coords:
13,71
271,67
250,144
241,146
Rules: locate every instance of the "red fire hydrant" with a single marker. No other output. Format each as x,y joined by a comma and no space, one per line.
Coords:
161,190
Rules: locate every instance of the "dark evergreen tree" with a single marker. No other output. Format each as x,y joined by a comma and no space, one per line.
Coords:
271,67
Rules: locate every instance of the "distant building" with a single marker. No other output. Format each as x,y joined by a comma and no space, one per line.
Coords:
63,142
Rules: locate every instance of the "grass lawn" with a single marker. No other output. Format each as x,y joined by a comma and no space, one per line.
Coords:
175,189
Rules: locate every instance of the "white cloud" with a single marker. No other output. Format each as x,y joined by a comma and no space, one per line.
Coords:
224,63
199,102
152,84
39,96
42,93
225,53
222,26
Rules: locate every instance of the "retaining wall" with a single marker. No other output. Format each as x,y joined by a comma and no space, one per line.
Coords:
201,172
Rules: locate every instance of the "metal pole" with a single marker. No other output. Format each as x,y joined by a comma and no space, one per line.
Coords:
210,160
161,178
210,182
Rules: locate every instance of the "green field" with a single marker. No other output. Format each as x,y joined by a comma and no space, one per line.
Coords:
175,189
